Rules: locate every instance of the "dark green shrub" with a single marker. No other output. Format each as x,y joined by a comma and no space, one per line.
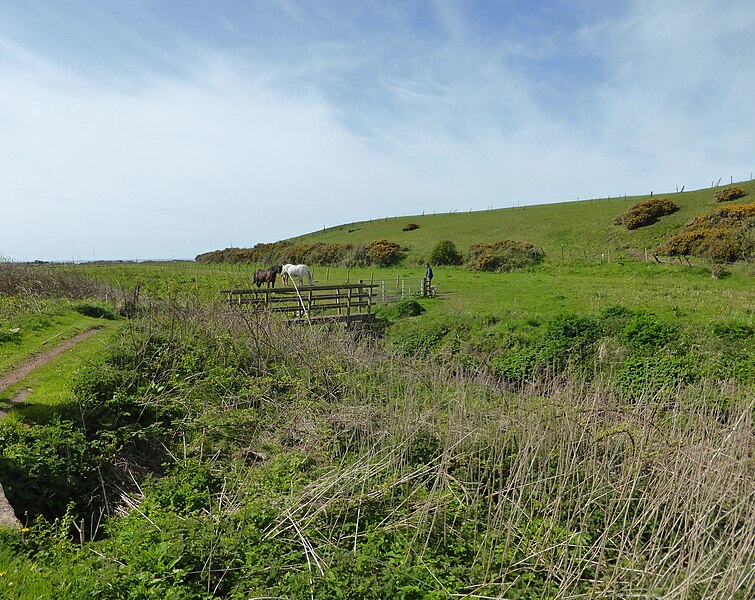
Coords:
653,375
425,446
646,213
518,366
408,308
445,253
569,340
616,311
188,486
43,468
564,343
410,227
648,331
418,338
573,328
734,331
10,335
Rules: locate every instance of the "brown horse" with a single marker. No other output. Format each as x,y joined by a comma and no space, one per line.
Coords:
266,276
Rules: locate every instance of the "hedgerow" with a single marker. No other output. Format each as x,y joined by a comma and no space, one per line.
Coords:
646,213
378,253
43,280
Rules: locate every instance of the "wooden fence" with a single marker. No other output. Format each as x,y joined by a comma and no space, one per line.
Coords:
311,304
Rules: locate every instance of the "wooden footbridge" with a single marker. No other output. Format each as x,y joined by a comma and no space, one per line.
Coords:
346,303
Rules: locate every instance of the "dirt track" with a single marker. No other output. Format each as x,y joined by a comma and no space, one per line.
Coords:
35,362
42,359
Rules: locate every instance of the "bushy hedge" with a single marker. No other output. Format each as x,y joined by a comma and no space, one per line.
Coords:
723,235
379,252
504,255
646,213
730,193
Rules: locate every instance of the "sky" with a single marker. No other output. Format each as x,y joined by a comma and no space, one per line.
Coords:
159,129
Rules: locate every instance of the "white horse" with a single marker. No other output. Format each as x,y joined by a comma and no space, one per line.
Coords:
299,271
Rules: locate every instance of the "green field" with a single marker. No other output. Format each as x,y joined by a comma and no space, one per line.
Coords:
549,289
584,428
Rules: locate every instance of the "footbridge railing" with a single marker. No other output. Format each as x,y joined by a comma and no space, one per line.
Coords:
348,302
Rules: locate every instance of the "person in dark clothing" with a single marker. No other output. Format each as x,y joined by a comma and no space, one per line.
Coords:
428,274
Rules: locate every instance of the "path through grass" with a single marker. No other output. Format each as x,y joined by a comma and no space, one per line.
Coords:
50,386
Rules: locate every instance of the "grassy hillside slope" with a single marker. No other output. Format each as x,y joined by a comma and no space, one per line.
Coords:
584,227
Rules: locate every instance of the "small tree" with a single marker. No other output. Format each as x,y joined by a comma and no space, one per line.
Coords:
445,253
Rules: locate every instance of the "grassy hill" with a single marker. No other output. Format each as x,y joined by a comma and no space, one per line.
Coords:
584,227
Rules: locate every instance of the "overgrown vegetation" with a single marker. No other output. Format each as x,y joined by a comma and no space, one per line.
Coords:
646,213
220,454
48,281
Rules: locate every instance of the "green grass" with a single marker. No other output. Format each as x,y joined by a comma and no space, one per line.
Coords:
671,290
551,288
568,230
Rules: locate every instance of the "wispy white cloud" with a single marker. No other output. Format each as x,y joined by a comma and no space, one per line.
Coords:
174,140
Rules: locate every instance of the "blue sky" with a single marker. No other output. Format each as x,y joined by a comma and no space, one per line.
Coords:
160,129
